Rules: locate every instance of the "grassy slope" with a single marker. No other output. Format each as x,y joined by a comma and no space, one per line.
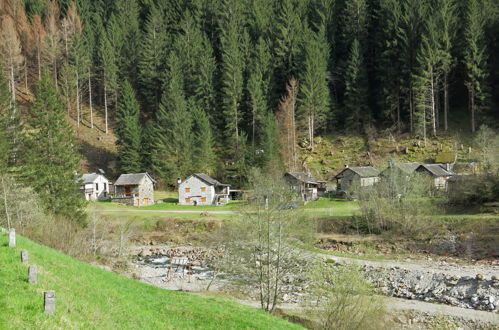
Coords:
88,297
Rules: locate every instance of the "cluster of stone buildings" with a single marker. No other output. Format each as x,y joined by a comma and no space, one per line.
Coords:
137,189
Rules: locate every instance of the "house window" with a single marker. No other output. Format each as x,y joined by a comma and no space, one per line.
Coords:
203,189
187,200
187,190
105,186
203,199
96,186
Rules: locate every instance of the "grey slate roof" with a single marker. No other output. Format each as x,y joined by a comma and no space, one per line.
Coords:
407,168
88,178
362,171
132,179
303,177
435,169
209,180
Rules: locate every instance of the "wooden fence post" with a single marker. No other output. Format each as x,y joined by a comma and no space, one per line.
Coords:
12,237
32,274
24,257
49,302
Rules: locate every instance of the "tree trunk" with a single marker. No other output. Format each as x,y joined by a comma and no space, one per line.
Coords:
12,82
433,122
105,106
90,99
39,62
5,203
25,76
446,102
78,99
472,108
411,111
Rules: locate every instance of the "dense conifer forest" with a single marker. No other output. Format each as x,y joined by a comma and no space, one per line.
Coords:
220,86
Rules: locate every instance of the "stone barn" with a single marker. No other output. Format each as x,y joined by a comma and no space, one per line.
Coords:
135,189
352,178
439,174
94,186
201,189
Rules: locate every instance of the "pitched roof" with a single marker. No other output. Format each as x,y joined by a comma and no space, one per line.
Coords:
133,178
209,180
303,177
404,167
362,171
88,178
435,169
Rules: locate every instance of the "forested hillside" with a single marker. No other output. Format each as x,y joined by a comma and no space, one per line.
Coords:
220,86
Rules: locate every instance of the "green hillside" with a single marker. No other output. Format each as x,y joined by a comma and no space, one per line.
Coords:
92,298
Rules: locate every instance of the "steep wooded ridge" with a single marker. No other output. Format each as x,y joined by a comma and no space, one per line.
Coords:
220,86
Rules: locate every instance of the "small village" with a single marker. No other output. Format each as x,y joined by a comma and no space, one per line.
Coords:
137,189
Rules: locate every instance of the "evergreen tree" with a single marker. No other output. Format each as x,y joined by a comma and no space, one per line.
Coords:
233,63
172,156
355,103
151,64
270,142
51,158
128,130
203,155
475,57
107,58
314,98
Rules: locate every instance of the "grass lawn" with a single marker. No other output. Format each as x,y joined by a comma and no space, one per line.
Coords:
91,298
333,207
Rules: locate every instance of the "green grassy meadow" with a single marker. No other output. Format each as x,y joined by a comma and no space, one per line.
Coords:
91,298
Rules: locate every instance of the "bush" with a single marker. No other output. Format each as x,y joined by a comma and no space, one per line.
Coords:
341,298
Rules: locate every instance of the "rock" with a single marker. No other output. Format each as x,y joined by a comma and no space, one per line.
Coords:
479,277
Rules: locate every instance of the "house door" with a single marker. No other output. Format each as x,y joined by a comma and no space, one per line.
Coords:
146,201
128,191
136,202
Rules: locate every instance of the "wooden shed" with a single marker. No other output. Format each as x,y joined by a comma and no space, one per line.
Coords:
305,185
438,173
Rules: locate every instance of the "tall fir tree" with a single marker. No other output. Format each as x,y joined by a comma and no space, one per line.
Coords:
314,92
128,130
109,70
51,157
172,154
151,64
355,101
475,58
203,155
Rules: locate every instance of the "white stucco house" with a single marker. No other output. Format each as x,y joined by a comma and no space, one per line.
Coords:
201,189
94,186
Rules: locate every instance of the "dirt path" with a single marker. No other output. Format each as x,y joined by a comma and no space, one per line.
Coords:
173,211
425,265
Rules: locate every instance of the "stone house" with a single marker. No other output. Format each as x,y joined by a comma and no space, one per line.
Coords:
439,174
352,178
94,186
304,184
201,189
135,189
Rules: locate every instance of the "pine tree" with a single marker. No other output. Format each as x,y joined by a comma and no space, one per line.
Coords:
109,69
151,64
270,142
51,158
314,92
172,155
447,27
355,102
203,156
475,58
128,131
232,46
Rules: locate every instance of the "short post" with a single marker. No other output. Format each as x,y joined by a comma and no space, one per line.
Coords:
12,237
32,274
24,257
49,302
